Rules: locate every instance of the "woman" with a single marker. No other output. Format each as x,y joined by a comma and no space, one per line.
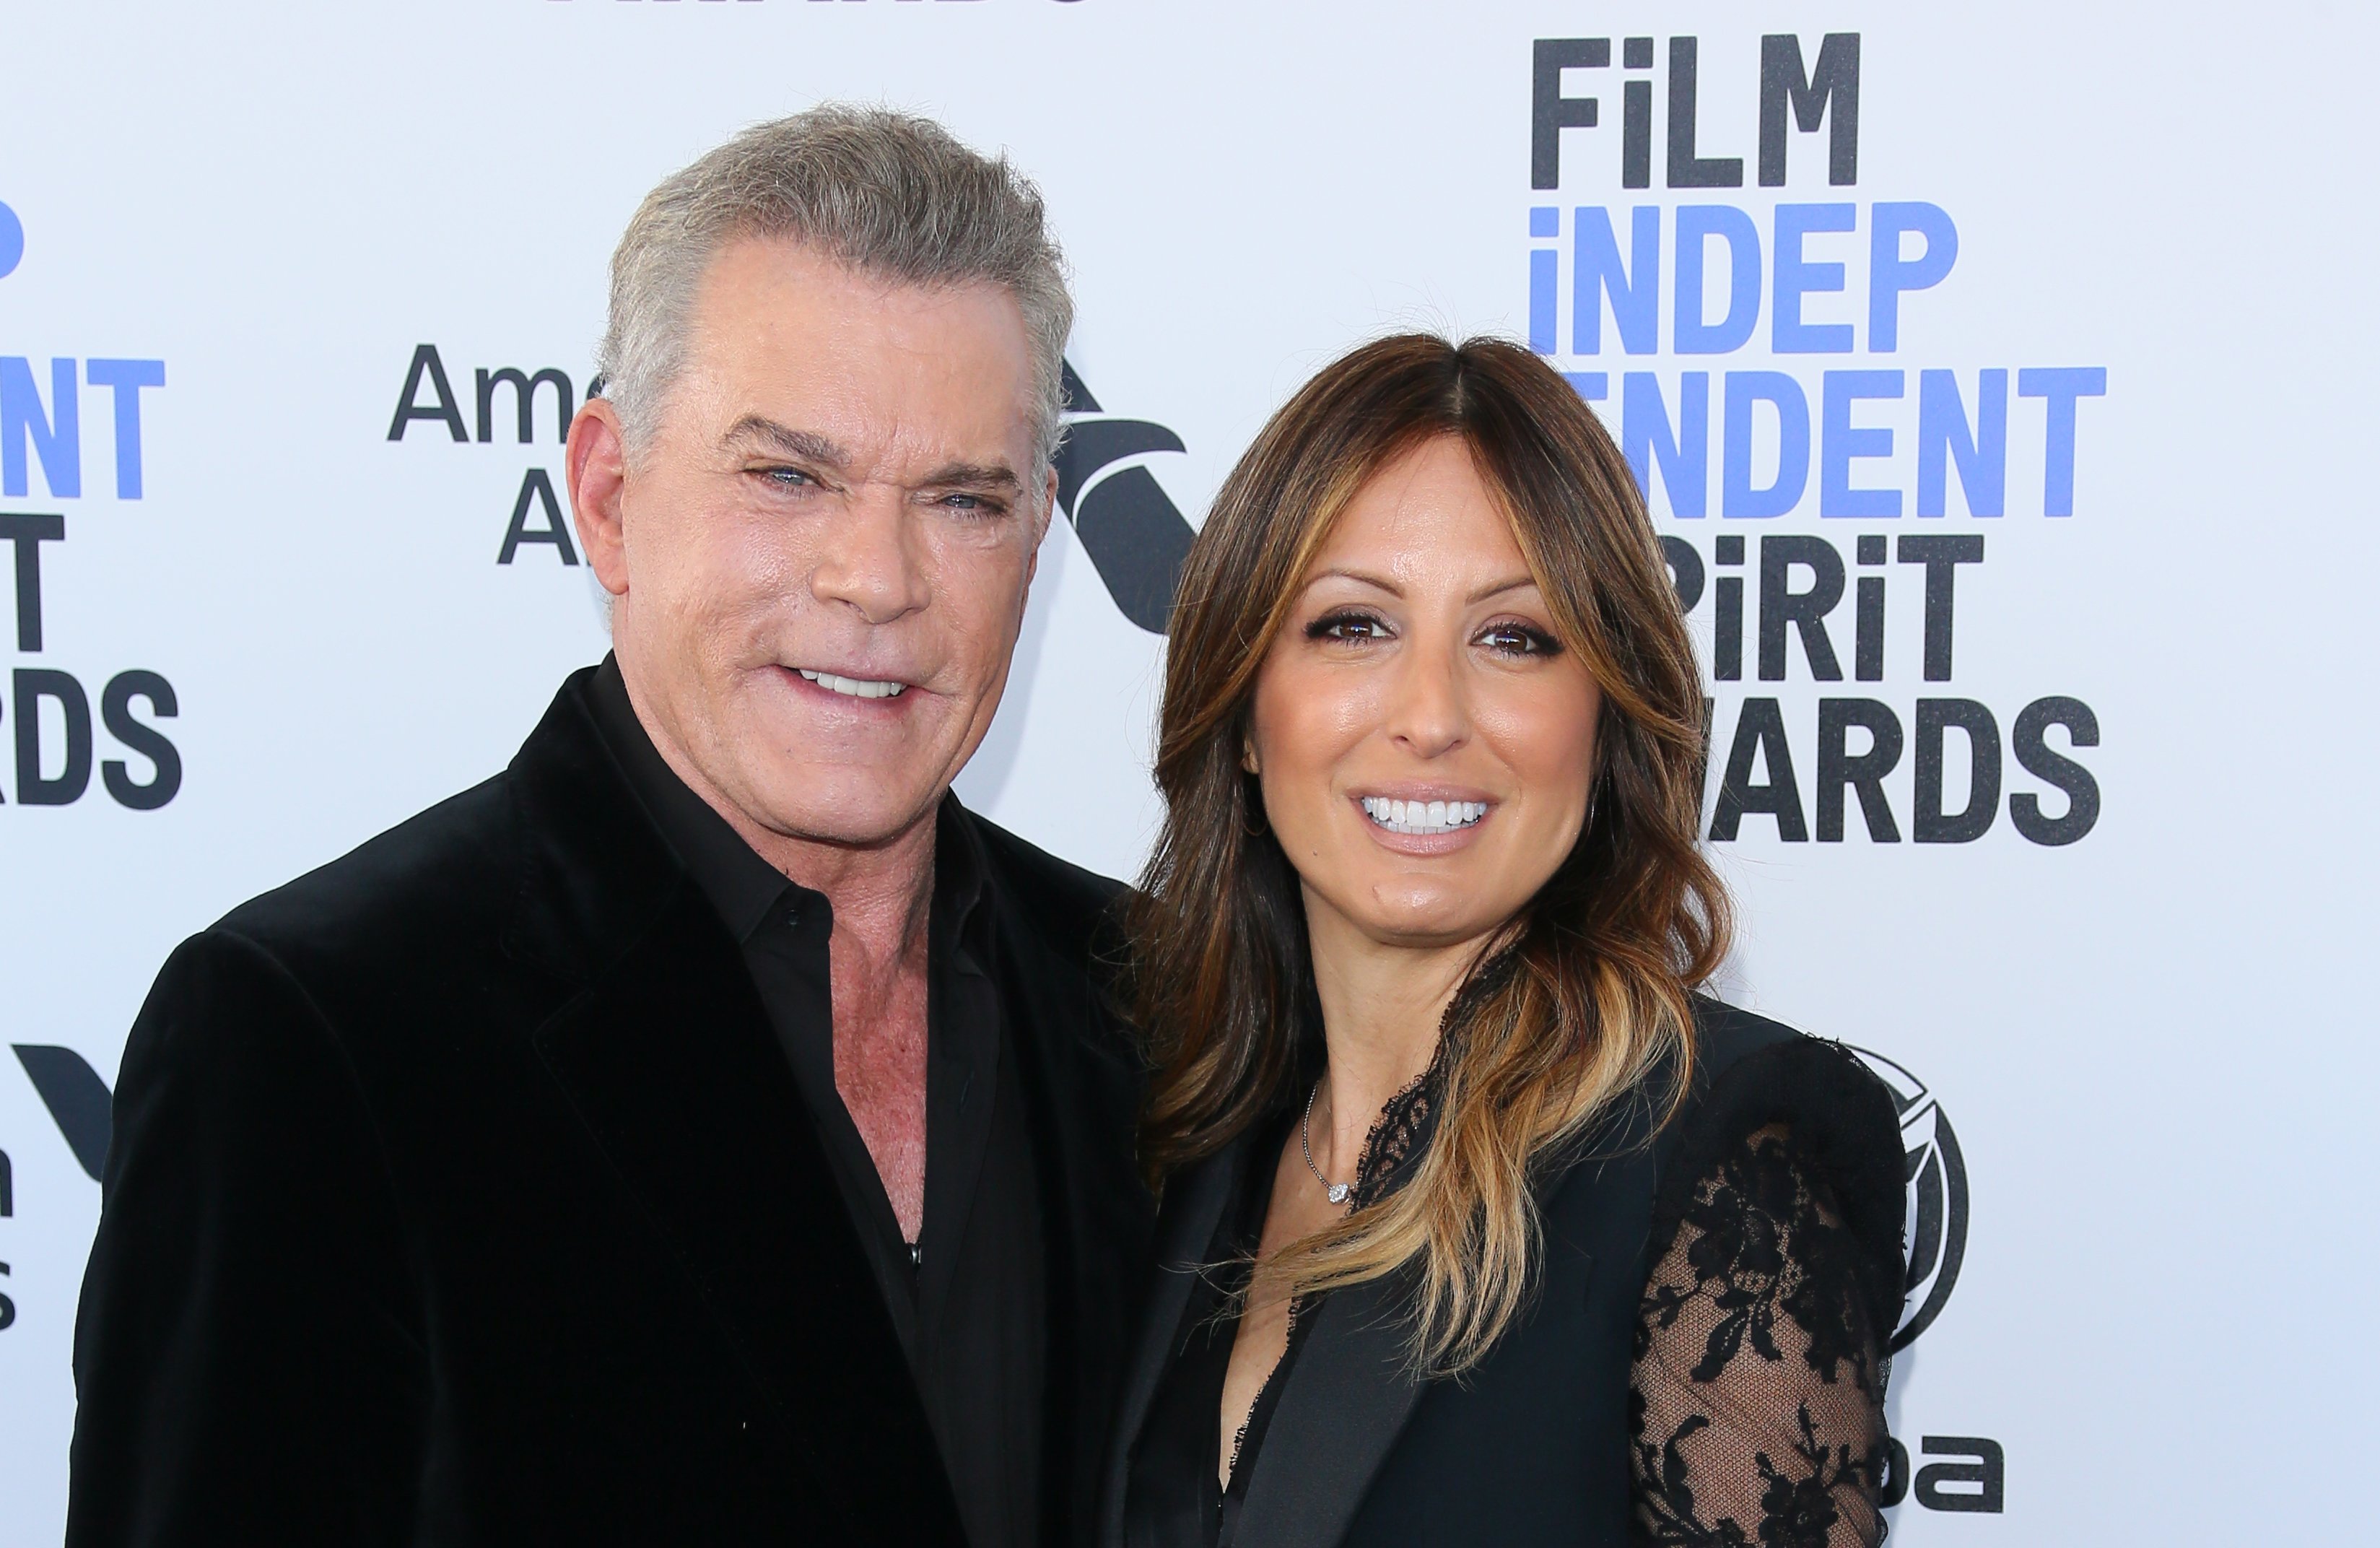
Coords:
1479,1225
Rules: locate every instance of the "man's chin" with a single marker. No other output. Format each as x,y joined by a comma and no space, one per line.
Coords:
858,818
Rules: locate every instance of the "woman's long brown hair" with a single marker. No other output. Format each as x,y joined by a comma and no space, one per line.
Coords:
1588,999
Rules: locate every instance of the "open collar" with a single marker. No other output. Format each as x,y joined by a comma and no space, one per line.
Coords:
665,1052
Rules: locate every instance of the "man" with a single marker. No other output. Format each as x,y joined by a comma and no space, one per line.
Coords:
706,1130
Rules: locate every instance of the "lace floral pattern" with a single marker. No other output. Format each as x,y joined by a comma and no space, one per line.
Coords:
1404,1126
1757,1394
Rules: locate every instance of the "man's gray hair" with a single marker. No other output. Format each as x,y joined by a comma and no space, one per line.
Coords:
887,193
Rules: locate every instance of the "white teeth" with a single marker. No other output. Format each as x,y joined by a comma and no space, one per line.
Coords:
855,687
1423,817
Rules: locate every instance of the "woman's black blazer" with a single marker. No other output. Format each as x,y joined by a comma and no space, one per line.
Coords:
1532,1446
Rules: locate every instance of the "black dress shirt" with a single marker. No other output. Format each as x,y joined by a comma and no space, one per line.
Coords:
967,1297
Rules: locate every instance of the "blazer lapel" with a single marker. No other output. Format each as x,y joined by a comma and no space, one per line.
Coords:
669,1062
1345,1402
666,1053
1194,1205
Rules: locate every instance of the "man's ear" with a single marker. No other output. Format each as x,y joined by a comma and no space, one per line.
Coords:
596,465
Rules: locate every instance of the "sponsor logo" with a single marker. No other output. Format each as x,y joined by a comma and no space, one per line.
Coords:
1937,1219
1129,525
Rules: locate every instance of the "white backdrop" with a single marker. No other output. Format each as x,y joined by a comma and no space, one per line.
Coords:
237,224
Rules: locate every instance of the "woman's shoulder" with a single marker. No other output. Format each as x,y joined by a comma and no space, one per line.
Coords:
1758,1084
1749,1072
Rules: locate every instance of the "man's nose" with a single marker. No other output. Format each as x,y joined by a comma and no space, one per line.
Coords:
869,560
1427,712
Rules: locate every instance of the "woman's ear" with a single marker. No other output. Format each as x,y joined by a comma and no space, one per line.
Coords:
1248,756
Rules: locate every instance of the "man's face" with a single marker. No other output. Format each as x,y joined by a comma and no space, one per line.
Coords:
820,561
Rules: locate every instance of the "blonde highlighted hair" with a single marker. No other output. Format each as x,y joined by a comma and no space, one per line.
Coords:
1583,1001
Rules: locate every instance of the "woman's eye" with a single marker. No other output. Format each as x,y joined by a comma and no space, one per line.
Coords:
1347,626
1520,639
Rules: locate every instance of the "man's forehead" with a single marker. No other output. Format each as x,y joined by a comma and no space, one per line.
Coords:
789,340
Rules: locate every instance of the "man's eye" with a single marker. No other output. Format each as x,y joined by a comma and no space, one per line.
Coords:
1347,626
787,478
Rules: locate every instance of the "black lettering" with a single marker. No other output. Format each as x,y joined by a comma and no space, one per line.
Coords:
7,1306
1867,616
1839,768
1806,611
29,532
7,1187
1760,732
2035,753
1636,117
1941,556
116,714
535,487
409,406
1688,170
1549,111
1726,624
1685,571
1835,79
1987,1473
1930,823
33,685
523,401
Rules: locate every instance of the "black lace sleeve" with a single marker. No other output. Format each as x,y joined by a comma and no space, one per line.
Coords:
1757,1391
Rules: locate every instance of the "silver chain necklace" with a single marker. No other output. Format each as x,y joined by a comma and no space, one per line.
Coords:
1336,1192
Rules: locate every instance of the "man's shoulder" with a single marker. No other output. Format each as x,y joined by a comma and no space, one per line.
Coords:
425,884
1072,909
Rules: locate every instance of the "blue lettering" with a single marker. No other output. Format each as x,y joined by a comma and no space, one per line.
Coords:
1890,275
2061,386
1982,452
1697,224
1737,495
126,378
56,436
1646,438
1840,442
1797,277
1634,289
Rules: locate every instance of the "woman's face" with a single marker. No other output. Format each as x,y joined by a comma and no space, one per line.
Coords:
1424,742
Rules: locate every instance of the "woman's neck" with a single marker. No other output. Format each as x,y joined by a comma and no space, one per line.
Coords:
1382,1007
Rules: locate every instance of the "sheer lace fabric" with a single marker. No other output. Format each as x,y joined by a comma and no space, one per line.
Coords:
1757,1391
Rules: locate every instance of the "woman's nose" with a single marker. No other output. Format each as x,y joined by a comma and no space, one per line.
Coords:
1426,710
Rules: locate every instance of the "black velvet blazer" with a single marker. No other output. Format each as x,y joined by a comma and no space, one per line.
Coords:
460,1193
1532,1446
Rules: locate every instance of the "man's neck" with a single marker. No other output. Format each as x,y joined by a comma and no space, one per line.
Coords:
881,892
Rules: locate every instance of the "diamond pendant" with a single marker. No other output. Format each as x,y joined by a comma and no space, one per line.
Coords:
1338,1193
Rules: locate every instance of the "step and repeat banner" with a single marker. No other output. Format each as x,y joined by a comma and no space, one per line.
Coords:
2001,379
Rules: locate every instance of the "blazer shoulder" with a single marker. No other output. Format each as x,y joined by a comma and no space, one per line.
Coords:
435,880
1074,911
1841,1123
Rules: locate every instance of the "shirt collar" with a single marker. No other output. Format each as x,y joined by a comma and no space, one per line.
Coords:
744,888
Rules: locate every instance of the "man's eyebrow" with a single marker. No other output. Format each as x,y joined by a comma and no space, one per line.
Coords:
972,475
808,445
